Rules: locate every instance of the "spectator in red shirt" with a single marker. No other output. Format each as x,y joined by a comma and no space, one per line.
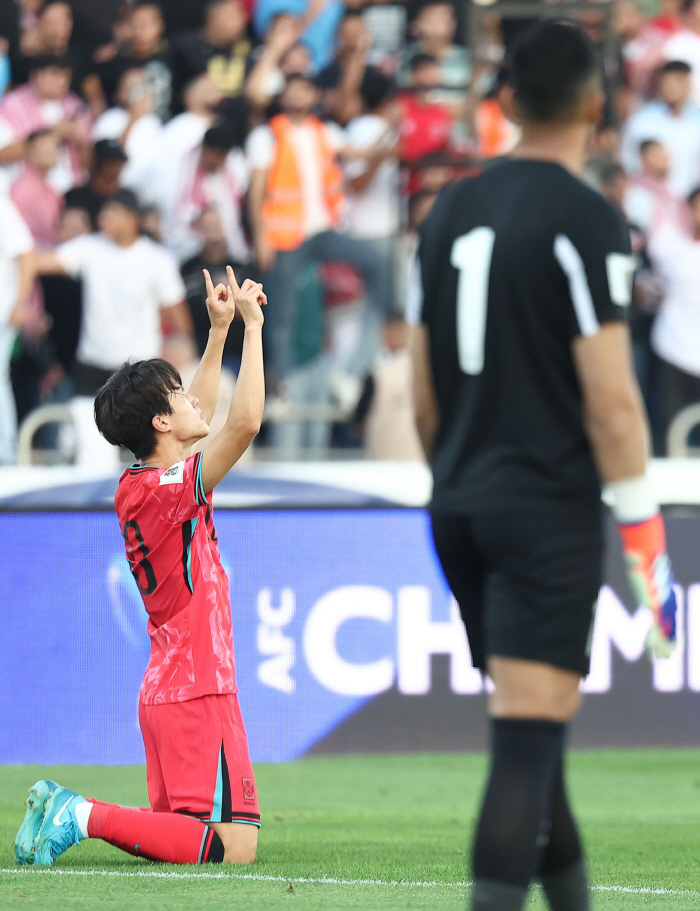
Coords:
425,126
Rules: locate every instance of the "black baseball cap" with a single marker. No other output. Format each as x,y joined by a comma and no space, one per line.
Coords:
109,150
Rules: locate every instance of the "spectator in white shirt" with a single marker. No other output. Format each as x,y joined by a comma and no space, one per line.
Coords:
131,289
130,285
675,336
372,202
213,175
649,200
685,44
16,280
135,125
672,120
202,98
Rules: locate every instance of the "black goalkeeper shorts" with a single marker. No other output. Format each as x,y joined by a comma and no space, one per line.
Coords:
526,580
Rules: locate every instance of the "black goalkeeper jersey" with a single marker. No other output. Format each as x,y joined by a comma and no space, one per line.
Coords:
513,266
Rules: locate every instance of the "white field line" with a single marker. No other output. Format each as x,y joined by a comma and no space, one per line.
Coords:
317,881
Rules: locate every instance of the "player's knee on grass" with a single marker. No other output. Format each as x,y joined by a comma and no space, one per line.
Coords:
240,841
532,689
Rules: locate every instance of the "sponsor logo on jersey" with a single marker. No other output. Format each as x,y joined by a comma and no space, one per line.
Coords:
174,475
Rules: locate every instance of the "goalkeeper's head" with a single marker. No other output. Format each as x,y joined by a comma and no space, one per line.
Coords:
555,76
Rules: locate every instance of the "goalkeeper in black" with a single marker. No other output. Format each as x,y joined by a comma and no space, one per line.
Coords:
526,401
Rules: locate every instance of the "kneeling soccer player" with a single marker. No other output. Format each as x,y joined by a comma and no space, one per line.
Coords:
201,786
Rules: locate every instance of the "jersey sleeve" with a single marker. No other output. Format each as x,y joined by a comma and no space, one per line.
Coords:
594,255
180,491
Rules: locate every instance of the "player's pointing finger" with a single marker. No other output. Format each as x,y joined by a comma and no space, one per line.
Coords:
232,278
209,284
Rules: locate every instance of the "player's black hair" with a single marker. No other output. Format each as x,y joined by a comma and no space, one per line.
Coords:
376,88
676,66
127,403
647,144
551,65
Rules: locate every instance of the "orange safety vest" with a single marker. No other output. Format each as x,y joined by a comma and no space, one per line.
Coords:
283,209
493,130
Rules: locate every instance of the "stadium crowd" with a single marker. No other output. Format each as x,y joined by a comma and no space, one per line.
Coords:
303,141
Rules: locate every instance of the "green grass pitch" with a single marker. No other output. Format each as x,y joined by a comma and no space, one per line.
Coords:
387,832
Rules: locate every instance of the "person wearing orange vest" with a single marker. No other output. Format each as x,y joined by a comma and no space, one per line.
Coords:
296,201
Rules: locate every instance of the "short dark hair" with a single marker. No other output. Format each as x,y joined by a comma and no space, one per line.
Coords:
38,134
551,64
220,137
676,66
45,61
609,172
300,77
127,403
419,60
376,88
145,4
647,144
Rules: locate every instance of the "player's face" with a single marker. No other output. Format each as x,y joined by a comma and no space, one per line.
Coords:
186,421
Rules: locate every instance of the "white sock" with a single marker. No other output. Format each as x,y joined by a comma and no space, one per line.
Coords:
82,814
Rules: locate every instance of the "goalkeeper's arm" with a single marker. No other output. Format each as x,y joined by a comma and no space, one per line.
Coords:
619,435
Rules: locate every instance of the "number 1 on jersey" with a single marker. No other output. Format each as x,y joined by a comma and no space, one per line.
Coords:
471,256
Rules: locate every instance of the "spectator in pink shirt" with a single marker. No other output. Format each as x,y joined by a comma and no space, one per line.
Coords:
40,206
47,103
38,202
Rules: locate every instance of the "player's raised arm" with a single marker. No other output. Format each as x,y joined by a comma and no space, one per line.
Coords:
221,309
619,435
248,403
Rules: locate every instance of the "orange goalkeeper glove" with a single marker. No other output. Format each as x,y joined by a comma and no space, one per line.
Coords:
648,565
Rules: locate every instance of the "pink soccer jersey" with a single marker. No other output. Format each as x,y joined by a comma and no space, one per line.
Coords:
171,545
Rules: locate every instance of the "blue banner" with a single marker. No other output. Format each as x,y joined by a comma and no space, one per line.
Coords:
313,599
338,617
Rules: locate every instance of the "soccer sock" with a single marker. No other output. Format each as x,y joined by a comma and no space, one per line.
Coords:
166,837
562,869
524,758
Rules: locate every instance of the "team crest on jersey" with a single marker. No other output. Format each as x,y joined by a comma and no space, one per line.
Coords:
174,475
248,790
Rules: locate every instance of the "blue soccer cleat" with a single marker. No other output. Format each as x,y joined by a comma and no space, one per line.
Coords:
24,840
59,830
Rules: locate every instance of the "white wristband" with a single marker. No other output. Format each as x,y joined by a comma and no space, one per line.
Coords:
633,500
